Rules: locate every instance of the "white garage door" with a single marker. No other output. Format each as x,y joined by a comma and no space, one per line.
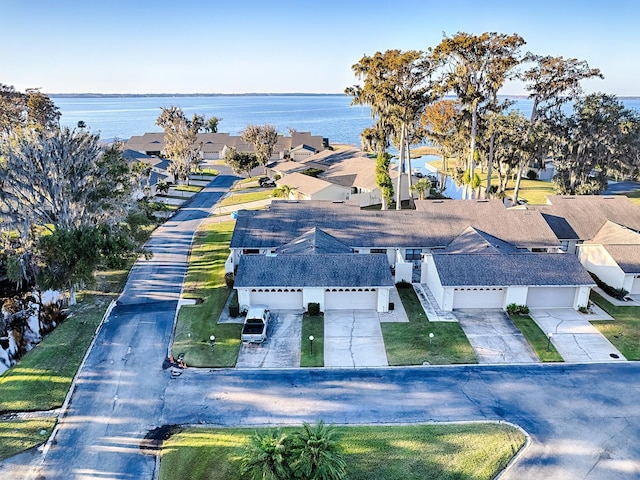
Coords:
478,298
278,299
351,299
551,297
635,287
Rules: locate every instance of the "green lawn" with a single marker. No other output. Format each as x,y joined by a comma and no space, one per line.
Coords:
205,281
212,172
312,325
238,198
624,331
19,435
418,452
408,343
536,338
188,188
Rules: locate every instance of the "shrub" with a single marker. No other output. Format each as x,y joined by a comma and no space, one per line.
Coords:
229,279
532,175
403,284
313,308
234,307
583,309
515,309
619,293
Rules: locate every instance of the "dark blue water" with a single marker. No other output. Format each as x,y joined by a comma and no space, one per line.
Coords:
326,115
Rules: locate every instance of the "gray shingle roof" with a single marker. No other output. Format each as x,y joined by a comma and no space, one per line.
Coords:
501,270
297,271
476,241
585,215
436,224
314,242
622,244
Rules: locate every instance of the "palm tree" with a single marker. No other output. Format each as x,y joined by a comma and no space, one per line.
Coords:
268,456
317,453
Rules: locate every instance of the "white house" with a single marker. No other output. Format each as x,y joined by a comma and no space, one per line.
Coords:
614,256
306,187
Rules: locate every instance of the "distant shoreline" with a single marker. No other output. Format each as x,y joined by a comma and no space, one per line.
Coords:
151,95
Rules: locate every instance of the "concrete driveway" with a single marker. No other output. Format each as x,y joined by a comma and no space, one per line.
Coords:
494,338
574,337
353,338
282,347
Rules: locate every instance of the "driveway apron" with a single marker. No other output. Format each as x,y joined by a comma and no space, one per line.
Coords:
353,338
494,338
282,347
574,337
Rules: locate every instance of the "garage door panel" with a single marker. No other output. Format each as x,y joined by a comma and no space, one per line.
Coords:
277,300
551,297
478,298
350,300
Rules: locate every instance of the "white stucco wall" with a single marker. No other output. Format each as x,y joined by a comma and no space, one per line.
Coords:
517,295
383,299
433,281
312,295
404,270
582,297
244,296
596,259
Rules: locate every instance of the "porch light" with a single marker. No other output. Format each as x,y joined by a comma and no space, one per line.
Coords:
549,337
311,342
212,341
430,339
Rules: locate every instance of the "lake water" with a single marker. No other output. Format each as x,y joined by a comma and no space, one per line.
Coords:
330,116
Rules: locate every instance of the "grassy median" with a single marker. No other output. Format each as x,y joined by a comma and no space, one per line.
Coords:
420,452
409,343
537,339
312,325
205,282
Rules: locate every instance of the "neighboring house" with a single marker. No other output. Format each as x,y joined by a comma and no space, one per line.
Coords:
314,267
478,270
306,187
159,171
280,169
576,219
471,254
213,146
614,256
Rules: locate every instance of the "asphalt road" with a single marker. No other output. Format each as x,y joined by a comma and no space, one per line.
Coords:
120,391
583,419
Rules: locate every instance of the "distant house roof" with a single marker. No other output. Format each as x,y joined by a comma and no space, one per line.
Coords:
325,270
314,242
501,270
582,216
304,184
435,224
288,166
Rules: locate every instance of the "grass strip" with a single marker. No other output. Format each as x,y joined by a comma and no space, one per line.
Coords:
312,325
409,343
188,188
624,331
238,198
536,338
19,435
205,281
419,452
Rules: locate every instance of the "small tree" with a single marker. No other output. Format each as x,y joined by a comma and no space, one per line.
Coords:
268,456
317,454
263,138
240,162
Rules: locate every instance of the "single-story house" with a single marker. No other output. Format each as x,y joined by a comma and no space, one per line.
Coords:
614,256
306,187
314,267
471,254
281,168
478,270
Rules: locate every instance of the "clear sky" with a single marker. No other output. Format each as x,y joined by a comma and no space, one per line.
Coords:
236,46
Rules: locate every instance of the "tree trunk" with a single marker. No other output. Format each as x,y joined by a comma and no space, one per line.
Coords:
409,172
487,193
534,116
472,160
400,171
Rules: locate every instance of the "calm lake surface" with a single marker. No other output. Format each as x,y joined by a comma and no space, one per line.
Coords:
330,116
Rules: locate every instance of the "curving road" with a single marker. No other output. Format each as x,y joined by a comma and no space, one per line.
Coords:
583,419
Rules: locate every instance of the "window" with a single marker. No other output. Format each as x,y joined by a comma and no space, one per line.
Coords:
379,250
250,251
413,254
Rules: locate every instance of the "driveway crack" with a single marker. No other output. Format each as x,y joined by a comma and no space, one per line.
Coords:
353,327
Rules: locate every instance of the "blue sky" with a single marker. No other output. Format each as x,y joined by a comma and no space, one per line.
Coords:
236,46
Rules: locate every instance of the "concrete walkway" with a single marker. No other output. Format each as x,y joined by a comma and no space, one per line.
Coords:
574,337
430,305
494,338
353,338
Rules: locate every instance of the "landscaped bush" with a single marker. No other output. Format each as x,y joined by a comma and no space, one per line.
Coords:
312,172
515,309
234,307
619,293
229,279
313,308
532,175
403,284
